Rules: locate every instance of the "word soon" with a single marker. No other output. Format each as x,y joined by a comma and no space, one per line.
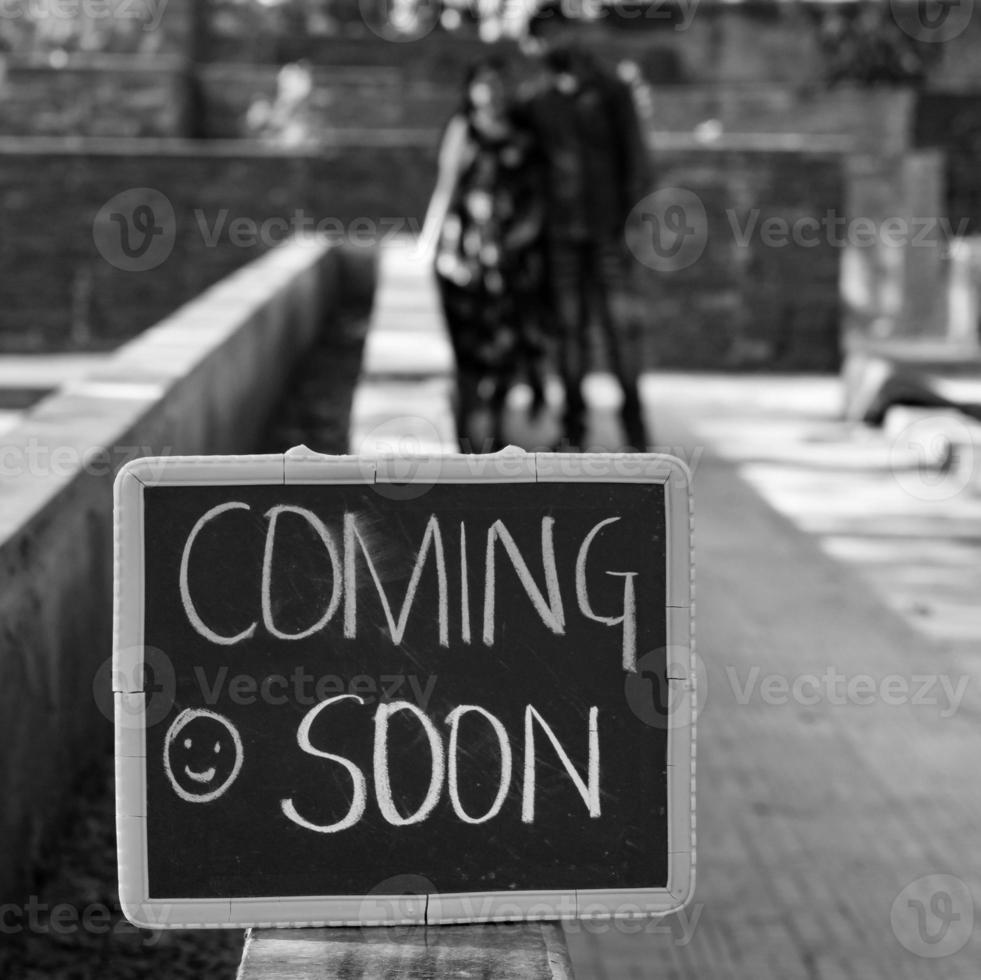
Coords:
549,604
443,769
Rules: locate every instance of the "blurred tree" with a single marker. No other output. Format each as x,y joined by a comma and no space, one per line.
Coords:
863,44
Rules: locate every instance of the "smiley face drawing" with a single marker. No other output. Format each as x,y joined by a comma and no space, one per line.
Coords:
202,755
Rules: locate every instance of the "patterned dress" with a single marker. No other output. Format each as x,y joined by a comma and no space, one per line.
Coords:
489,259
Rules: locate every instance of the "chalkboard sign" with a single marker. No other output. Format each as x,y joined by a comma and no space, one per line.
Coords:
366,691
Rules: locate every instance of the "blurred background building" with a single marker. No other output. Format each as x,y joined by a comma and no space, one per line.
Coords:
762,109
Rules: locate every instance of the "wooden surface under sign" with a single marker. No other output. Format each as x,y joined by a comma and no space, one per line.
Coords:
524,951
417,690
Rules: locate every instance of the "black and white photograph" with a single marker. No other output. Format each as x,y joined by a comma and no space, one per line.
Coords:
490,488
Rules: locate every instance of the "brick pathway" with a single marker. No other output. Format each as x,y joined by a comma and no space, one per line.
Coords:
814,815
836,774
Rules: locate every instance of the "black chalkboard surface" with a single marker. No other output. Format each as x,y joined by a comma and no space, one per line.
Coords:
467,691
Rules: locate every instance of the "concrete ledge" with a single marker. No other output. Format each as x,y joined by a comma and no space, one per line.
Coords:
205,380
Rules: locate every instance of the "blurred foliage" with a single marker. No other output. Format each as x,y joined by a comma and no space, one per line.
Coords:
860,41
47,27
863,44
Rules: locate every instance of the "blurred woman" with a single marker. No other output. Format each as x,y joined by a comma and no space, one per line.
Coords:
485,221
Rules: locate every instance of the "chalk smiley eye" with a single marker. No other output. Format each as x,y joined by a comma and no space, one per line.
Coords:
206,761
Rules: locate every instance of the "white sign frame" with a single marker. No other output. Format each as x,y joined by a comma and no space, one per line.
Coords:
302,466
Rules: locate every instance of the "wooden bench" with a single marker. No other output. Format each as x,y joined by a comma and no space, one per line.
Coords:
508,951
878,376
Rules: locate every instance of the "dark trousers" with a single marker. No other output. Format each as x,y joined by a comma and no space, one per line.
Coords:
589,276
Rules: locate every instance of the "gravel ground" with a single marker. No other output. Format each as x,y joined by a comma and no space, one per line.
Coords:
71,927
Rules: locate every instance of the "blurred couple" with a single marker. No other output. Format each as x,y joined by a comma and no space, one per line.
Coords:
526,225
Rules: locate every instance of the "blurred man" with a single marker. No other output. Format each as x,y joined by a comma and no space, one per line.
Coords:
586,124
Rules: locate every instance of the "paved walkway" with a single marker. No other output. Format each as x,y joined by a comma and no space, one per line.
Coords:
402,403
840,727
825,790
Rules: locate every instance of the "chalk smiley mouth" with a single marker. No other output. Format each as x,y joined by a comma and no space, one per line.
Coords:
200,777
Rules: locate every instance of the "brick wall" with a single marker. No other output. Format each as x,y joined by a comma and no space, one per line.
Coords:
147,27
871,121
104,95
343,98
58,291
119,95
737,306
753,298
384,97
